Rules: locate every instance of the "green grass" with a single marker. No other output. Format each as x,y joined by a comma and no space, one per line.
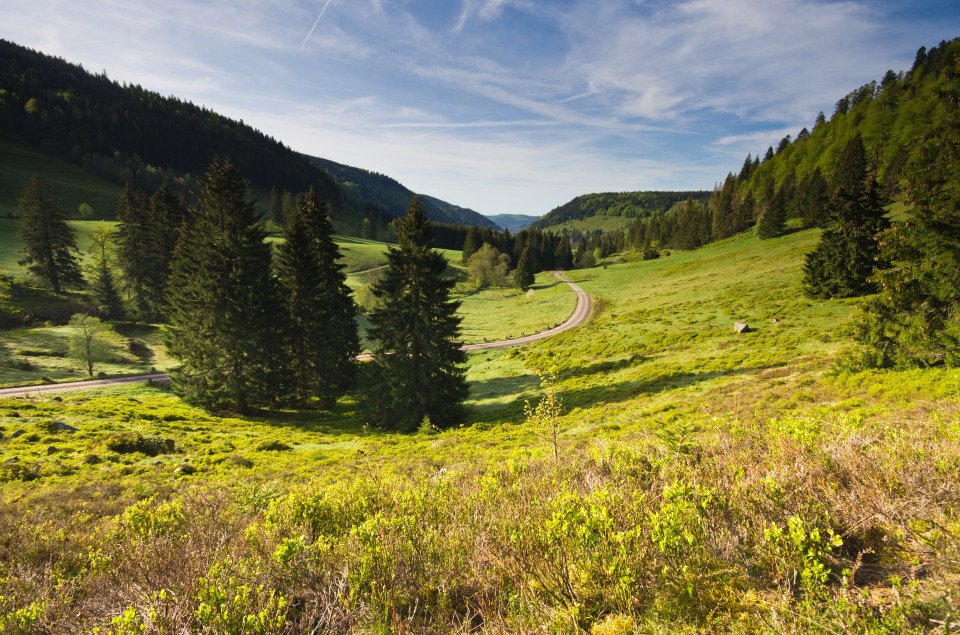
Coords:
70,183
701,476
501,314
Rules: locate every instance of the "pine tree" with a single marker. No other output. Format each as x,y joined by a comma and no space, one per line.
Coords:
814,199
417,368
136,252
169,214
322,337
225,310
772,221
103,290
914,320
523,277
49,243
841,264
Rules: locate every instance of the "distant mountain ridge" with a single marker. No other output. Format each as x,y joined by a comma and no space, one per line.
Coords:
625,204
513,222
365,188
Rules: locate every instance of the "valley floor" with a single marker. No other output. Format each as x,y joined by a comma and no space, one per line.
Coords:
698,480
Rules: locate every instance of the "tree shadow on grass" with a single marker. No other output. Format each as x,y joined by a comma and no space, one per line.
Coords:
602,393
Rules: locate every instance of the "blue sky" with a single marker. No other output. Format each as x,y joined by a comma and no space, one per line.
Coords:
503,106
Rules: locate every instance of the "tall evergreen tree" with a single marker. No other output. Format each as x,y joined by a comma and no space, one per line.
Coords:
915,318
225,311
417,368
49,243
840,265
772,221
137,252
103,290
168,214
523,277
322,336
471,244
814,199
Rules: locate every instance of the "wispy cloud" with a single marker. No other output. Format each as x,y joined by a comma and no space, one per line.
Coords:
502,105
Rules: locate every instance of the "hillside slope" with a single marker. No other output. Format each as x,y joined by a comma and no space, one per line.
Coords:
369,189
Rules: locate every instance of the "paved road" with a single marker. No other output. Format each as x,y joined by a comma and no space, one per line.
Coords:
579,316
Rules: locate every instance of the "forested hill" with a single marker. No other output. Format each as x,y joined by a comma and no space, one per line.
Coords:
126,133
891,116
626,204
368,190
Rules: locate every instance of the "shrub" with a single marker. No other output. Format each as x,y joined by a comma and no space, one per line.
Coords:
130,442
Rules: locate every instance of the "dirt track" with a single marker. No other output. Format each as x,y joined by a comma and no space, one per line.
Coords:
579,316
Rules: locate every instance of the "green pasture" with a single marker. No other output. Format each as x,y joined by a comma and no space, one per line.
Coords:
70,183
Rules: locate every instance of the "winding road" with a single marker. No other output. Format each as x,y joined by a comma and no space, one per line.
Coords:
580,315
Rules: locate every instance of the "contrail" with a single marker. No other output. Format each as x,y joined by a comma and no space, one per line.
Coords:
315,24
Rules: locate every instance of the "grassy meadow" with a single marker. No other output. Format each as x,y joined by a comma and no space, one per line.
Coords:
694,480
70,182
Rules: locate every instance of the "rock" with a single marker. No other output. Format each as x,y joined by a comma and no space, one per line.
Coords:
52,450
63,427
92,459
436,443
186,469
12,459
741,327
157,463
18,433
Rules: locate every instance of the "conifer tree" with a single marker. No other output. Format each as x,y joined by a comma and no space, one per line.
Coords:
417,368
914,320
103,289
523,277
471,244
772,221
168,214
49,243
840,265
322,337
814,198
225,310
136,251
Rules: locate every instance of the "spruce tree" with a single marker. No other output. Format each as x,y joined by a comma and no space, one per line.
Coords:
914,320
417,368
169,214
225,310
49,244
772,221
137,252
103,289
322,337
841,264
523,277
